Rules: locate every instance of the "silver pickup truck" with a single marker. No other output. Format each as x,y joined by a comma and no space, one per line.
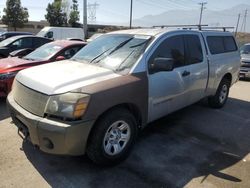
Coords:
98,101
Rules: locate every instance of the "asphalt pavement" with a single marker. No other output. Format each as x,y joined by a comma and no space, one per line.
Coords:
194,147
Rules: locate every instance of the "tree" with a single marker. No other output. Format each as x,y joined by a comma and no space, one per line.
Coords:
15,15
55,15
74,15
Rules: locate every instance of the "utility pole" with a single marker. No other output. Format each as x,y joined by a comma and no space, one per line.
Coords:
131,14
237,25
202,8
85,24
244,22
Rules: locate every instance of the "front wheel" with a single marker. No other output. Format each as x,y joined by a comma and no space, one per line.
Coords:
112,138
221,96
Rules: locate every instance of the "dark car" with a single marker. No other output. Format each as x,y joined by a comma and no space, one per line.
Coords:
6,35
20,42
54,51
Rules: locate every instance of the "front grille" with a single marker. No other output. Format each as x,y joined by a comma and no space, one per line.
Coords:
32,101
245,64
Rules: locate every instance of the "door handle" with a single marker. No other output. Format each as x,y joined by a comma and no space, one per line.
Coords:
185,73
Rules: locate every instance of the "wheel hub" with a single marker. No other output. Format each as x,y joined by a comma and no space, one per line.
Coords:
116,137
223,93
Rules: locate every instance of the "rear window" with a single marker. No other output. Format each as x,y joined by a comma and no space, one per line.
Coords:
221,44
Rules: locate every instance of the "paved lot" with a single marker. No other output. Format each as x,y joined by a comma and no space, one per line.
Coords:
195,147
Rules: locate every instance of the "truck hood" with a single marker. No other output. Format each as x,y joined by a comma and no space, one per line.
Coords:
245,57
63,76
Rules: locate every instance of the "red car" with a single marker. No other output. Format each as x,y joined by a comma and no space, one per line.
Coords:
53,51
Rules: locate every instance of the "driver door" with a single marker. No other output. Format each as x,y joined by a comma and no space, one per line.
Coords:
168,90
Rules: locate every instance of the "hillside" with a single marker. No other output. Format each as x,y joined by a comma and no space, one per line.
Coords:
227,17
243,38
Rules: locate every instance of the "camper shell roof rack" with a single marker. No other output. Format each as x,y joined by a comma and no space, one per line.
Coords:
199,27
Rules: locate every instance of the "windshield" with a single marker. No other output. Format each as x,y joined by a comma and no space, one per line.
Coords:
245,49
117,52
44,52
41,33
7,41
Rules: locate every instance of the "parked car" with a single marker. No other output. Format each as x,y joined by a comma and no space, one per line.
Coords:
20,42
95,36
59,33
245,61
49,52
9,34
97,102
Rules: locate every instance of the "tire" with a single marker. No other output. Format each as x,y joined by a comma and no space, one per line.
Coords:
106,137
221,96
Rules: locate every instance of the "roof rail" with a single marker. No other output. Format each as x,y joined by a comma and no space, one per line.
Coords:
190,27
183,26
224,28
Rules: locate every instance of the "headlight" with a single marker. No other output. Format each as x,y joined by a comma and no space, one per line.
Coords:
69,105
8,75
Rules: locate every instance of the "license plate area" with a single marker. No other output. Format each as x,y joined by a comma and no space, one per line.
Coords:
22,131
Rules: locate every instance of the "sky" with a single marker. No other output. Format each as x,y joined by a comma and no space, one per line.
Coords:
117,11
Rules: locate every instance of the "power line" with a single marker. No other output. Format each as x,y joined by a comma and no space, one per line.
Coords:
161,6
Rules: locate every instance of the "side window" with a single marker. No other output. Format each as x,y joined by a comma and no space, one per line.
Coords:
16,44
215,44
37,42
70,52
193,49
221,44
172,47
49,35
23,43
230,44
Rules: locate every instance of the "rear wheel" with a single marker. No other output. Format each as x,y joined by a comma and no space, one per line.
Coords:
112,138
220,98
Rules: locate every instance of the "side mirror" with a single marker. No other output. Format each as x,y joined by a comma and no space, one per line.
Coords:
60,58
160,64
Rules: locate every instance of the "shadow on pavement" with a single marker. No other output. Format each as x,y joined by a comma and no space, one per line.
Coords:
3,109
196,141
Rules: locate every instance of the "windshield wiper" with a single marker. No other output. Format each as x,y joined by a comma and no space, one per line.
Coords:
99,55
115,49
139,44
120,45
120,68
